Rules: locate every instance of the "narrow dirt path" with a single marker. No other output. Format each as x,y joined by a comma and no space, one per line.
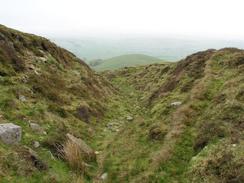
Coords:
128,110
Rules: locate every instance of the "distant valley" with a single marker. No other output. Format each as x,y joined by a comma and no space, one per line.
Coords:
171,48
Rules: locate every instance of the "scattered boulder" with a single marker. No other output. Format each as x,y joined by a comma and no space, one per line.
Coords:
10,133
86,150
129,118
178,103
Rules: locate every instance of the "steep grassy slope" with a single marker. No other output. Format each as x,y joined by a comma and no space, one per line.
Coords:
125,61
44,84
190,128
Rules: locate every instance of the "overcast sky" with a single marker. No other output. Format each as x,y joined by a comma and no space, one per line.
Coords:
206,18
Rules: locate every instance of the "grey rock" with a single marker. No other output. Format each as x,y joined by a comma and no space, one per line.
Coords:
43,59
176,103
22,98
37,128
36,144
129,118
10,133
104,176
113,126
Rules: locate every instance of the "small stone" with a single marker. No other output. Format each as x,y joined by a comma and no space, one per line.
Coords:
43,59
104,176
176,103
31,67
22,98
233,145
36,144
129,118
10,133
37,128
37,73
51,155
97,152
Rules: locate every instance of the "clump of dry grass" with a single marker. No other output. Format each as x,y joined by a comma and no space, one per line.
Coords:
73,155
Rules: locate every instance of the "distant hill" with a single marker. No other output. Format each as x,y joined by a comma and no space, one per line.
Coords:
168,48
124,61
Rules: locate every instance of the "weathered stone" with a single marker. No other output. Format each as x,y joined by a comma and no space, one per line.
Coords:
129,118
43,59
31,67
86,150
22,98
176,103
104,176
37,128
36,144
10,133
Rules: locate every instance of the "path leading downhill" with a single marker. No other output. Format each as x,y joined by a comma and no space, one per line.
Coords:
117,125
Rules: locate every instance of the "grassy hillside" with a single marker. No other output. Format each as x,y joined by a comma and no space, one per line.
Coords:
169,122
43,84
125,61
188,123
